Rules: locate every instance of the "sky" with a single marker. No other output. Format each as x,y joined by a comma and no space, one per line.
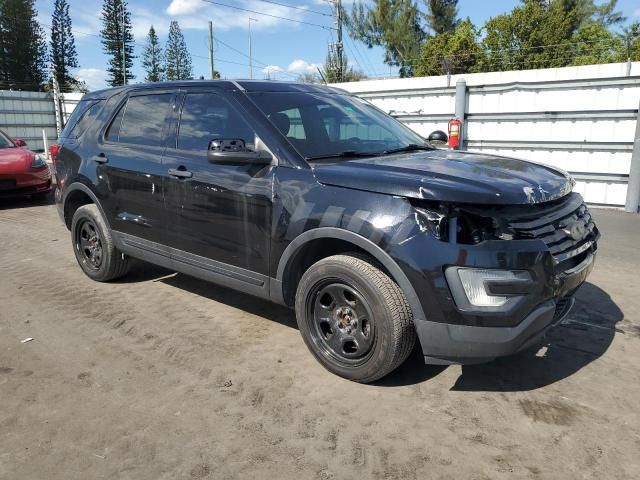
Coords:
282,49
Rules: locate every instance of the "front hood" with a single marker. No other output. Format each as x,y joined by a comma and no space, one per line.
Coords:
449,176
15,160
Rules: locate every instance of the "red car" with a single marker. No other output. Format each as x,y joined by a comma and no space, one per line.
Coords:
22,172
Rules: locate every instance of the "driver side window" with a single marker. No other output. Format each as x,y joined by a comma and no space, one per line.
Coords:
208,116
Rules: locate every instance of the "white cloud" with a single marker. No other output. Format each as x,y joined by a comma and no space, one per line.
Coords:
194,14
95,78
184,7
302,66
636,13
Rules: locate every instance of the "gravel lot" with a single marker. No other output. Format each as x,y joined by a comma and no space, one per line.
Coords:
161,376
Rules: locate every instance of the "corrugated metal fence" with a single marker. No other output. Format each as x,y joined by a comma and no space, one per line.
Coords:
26,114
581,119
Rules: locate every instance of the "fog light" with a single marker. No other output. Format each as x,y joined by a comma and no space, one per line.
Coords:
486,289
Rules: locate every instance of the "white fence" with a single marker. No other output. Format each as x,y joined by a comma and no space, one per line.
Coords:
581,119
26,114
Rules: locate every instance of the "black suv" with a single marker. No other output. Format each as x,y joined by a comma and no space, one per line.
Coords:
313,198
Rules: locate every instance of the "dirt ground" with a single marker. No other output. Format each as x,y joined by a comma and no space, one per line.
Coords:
161,376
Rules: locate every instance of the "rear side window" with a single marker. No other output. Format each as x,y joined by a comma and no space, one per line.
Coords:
141,120
78,113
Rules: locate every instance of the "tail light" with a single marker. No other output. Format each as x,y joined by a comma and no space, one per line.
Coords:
53,152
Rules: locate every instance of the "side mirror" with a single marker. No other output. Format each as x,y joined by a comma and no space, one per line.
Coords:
438,138
20,143
234,150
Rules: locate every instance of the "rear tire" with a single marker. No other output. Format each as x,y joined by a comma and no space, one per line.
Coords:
93,246
354,318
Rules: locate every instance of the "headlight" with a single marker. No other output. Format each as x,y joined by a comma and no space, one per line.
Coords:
489,290
38,162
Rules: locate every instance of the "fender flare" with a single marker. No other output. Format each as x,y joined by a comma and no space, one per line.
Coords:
365,244
85,189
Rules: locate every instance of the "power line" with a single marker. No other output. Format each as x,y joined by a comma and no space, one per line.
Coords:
268,15
295,7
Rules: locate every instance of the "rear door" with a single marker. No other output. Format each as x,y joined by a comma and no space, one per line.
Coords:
221,212
131,172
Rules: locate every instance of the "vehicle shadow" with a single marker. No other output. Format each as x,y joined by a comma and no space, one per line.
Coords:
581,338
584,336
142,272
14,203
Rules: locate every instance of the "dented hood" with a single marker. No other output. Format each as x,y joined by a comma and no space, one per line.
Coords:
449,176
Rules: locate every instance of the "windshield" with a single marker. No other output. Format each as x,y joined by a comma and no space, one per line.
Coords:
321,125
4,141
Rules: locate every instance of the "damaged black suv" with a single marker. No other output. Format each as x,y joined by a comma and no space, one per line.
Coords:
315,199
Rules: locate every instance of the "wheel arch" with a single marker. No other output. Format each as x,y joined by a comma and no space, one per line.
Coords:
291,257
76,195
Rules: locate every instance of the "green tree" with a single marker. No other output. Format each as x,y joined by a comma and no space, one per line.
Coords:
394,25
152,59
533,35
631,40
117,41
177,57
594,43
23,49
63,47
452,52
442,15
330,70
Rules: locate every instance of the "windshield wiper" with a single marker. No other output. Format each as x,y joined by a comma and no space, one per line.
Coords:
345,154
412,147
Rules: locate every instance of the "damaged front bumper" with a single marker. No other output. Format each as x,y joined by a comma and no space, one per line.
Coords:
497,297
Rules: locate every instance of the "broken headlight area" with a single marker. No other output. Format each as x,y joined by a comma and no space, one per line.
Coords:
459,225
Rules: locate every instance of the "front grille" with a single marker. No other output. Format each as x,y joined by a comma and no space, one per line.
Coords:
566,227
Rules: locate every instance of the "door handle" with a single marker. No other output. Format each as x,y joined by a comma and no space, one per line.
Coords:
180,173
100,158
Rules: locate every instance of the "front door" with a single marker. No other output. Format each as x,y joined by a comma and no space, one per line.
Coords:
129,161
218,215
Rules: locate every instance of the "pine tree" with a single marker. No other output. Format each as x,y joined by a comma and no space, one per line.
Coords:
116,33
152,58
23,49
177,57
442,15
63,48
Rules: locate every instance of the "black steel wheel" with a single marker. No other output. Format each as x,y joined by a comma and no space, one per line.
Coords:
93,245
354,318
343,325
88,243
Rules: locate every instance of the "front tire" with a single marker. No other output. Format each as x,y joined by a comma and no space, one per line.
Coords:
93,246
354,318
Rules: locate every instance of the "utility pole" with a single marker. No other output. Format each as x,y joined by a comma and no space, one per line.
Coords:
211,49
124,52
339,44
250,49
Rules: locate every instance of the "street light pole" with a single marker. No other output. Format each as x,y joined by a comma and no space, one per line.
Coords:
251,49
